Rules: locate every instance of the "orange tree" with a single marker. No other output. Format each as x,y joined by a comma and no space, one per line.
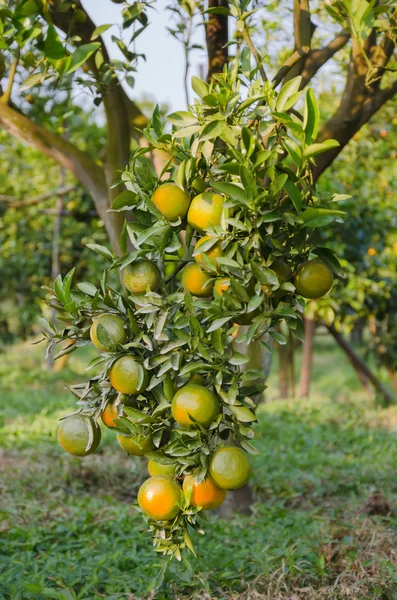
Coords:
239,180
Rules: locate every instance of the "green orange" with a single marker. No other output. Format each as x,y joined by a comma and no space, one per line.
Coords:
195,401
136,446
230,467
107,332
128,376
156,468
140,276
313,279
205,494
214,252
172,201
79,435
205,211
196,281
160,497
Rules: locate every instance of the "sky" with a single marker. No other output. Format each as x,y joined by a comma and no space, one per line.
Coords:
161,76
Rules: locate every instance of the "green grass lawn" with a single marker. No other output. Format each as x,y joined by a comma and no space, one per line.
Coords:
319,527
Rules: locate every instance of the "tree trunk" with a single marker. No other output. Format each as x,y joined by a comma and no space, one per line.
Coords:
393,379
283,371
360,366
307,358
291,362
216,35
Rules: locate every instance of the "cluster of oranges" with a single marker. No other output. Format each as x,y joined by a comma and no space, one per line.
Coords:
193,405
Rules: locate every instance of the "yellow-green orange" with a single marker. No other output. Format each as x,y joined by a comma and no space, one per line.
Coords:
136,446
79,435
313,279
172,201
160,497
156,468
107,332
128,376
205,494
205,211
214,252
109,414
230,467
141,275
195,401
196,281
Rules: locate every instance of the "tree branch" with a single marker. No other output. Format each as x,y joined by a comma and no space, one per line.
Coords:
318,57
289,64
6,97
13,201
216,37
257,56
303,31
67,155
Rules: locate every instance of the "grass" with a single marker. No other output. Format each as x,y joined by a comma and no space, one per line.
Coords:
322,527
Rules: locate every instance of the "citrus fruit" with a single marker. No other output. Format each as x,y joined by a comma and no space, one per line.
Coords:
172,201
107,332
221,285
313,279
137,446
196,401
111,412
198,185
230,467
140,275
205,211
197,378
160,497
156,468
79,435
128,376
214,252
282,270
205,494
196,281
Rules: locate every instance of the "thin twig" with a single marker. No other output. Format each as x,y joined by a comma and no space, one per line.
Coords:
291,62
250,44
179,267
6,97
13,200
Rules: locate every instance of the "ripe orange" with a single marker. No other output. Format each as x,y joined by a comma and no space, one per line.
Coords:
137,446
313,279
172,201
196,401
79,435
221,285
111,412
107,332
128,376
205,211
230,467
156,468
205,494
140,275
160,497
371,252
214,252
196,281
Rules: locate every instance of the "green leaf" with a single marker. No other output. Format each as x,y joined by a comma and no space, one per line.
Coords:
81,54
32,80
218,323
238,359
124,201
294,193
278,337
186,131
199,86
319,217
53,47
243,414
233,191
101,250
182,118
87,288
290,88
311,116
315,149
100,30
212,130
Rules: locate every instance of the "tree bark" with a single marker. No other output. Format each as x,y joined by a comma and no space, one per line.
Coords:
360,365
283,371
216,35
307,358
393,379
